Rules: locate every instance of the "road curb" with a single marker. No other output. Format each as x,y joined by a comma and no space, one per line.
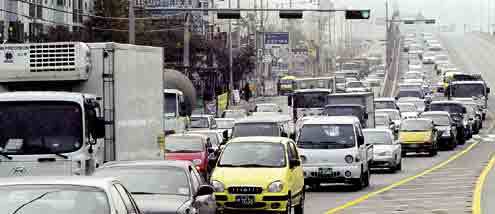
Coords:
401,182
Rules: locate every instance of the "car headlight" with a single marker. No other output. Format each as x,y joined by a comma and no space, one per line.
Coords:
197,161
276,186
349,159
218,186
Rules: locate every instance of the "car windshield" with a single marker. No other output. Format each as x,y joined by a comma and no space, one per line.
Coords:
381,120
415,125
442,57
199,122
234,114
377,137
253,154
149,179
394,115
184,144
410,93
439,120
53,199
413,76
451,108
266,108
212,135
256,129
326,136
350,66
385,105
343,111
313,83
310,100
40,127
225,124
406,107
355,85
467,90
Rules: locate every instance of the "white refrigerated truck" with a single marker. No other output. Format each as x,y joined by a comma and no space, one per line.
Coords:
66,108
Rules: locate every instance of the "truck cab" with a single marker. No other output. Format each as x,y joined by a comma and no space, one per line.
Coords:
478,90
333,151
174,115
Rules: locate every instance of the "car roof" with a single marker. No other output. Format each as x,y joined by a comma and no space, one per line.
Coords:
332,120
89,181
446,102
260,139
344,105
188,134
418,119
379,99
266,104
264,119
467,82
436,113
202,115
224,119
378,130
313,90
171,163
386,110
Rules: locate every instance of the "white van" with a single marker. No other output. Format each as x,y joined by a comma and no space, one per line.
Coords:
333,150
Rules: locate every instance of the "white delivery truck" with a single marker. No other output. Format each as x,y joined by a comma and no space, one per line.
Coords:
66,108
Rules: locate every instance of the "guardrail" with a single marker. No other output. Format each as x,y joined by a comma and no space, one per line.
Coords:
392,72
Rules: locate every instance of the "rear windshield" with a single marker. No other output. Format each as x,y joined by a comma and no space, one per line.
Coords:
333,136
449,107
384,105
256,129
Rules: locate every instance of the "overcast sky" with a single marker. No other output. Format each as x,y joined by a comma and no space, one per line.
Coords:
458,12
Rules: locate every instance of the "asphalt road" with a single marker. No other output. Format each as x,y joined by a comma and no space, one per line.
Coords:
446,189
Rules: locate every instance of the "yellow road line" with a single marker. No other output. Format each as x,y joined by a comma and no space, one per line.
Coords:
401,182
476,206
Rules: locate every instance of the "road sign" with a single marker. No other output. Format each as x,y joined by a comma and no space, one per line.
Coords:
276,38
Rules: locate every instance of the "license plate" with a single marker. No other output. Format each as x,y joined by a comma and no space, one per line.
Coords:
245,199
325,171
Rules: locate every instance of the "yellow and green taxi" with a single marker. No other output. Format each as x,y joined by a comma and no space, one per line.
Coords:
418,135
447,77
259,174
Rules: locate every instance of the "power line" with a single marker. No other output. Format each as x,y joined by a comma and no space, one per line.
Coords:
60,23
96,16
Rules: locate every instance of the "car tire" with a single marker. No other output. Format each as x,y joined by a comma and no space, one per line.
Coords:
299,209
434,151
398,167
367,178
359,183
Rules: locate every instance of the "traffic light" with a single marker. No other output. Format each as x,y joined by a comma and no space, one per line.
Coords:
357,14
293,14
234,14
409,22
430,21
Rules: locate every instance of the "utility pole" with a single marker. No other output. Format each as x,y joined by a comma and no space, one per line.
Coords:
488,18
187,39
132,23
262,47
387,43
6,21
231,78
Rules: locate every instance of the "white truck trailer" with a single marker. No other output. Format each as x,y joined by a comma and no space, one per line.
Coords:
66,108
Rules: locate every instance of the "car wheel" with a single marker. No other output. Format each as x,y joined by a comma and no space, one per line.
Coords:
367,178
359,183
433,151
299,209
399,166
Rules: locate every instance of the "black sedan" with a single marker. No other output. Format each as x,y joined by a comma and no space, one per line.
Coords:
447,136
163,187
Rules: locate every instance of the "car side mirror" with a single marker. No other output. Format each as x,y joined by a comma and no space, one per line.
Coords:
294,163
365,116
280,111
99,129
204,190
464,111
487,90
211,150
283,134
289,100
360,140
225,135
292,136
183,110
